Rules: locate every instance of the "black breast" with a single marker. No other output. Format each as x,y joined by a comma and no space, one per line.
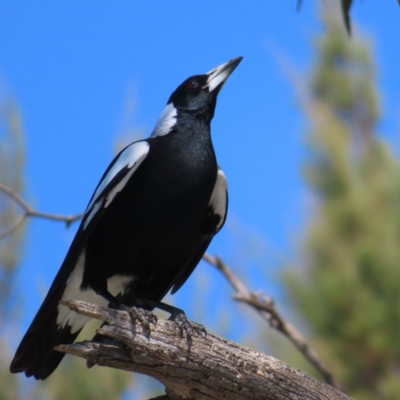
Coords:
152,225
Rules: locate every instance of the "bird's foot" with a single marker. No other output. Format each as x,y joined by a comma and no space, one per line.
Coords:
184,324
176,315
145,317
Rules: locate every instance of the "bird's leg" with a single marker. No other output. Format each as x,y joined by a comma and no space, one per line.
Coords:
145,317
113,301
176,315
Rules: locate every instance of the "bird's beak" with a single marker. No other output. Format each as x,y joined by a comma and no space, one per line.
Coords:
218,76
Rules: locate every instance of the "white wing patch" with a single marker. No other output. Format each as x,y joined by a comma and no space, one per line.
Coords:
93,211
110,196
219,197
116,285
72,292
130,158
166,121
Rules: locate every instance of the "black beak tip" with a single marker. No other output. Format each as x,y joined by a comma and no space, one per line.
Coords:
236,61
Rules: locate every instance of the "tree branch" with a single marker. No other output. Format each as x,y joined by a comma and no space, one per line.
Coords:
263,305
266,308
204,367
28,211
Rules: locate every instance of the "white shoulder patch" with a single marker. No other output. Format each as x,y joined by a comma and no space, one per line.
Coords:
219,197
166,121
130,159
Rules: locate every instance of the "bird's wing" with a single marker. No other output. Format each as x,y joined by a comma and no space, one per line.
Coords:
113,181
214,221
54,323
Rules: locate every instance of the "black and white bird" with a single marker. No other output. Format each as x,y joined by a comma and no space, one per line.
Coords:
149,222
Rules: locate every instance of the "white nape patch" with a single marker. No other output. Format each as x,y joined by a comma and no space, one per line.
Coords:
219,197
116,285
166,121
130,157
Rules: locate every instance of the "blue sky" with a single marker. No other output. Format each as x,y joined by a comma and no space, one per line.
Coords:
72,65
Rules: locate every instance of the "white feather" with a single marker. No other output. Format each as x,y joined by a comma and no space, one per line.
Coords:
93,211
131,157
118,188
116,285
166,121
219,197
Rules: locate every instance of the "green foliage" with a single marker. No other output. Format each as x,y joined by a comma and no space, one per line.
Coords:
348,286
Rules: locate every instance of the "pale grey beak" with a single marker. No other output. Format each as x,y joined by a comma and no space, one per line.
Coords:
218,76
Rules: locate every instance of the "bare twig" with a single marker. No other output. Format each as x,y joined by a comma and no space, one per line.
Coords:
13,227
28,211
266,308
206,367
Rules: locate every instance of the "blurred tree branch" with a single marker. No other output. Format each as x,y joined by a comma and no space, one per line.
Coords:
28,211
266,308
12,157
262,304
202,367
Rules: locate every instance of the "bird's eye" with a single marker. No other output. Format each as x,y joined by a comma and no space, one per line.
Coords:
193,84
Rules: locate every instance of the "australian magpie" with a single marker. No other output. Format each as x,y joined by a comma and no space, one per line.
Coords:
149,222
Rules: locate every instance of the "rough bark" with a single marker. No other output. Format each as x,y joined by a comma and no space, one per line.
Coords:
204,367
265,307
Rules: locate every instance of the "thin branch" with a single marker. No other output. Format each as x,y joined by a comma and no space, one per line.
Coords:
266,308
28,211
9,192
204,367
13,227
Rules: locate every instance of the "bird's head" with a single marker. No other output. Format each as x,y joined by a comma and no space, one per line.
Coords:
197,94
200,91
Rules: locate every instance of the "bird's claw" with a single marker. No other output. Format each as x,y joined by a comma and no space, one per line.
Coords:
145,317
184,324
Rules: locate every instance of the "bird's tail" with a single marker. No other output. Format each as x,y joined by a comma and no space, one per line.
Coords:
35,355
